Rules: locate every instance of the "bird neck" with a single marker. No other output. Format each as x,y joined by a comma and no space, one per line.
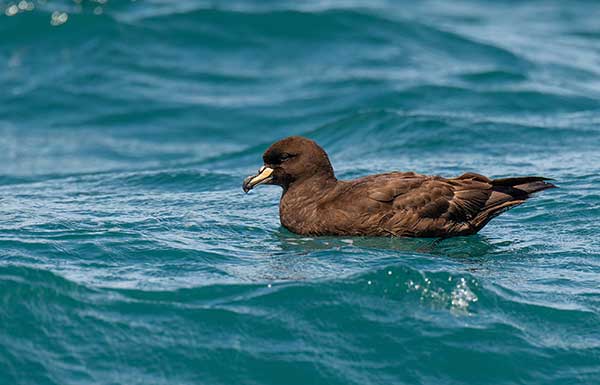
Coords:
311,186
300,207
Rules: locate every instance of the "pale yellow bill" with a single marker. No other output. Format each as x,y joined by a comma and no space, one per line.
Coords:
263,176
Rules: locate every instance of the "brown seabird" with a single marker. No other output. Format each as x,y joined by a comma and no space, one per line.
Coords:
403,204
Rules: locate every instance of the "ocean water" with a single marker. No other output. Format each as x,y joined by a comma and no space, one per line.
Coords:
130,255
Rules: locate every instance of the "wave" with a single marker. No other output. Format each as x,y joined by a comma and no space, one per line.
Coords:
221,29
412,132
129,254
401,308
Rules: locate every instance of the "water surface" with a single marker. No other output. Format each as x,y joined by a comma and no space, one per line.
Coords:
130,255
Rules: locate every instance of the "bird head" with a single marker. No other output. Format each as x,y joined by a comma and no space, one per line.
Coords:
290,161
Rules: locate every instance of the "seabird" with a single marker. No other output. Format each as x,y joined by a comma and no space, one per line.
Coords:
403,204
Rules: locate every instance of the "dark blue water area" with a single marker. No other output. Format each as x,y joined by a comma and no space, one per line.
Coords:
130,255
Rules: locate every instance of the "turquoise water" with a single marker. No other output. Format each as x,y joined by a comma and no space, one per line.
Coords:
130,255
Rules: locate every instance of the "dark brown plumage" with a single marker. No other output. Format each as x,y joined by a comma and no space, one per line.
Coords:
405,204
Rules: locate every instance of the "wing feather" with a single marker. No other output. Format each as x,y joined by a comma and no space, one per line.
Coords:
431,205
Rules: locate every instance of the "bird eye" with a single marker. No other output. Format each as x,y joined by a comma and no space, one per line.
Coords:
285,156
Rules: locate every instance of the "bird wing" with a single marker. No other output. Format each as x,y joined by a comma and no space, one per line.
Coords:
429,206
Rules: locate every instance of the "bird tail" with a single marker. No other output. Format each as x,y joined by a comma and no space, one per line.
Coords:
508,193
525,184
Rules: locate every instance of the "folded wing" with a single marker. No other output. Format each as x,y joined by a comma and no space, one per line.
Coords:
418,205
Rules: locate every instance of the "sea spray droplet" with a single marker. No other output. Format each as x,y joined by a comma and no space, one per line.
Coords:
462,295
58,18
12,10
25,5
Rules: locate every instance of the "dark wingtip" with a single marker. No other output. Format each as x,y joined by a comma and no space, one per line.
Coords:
519,180
534,187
